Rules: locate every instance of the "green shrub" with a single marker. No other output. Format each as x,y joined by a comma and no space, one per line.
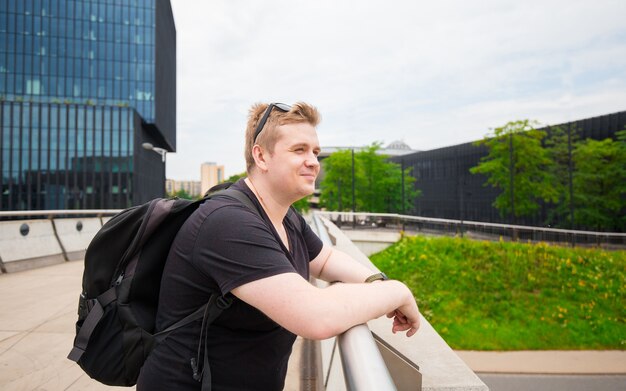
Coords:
512,296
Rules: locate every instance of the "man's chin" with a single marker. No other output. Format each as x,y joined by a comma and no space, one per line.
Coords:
307,191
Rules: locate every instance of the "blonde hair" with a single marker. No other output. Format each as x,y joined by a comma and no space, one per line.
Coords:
267,138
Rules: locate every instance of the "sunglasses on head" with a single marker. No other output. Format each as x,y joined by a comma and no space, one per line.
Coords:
280,106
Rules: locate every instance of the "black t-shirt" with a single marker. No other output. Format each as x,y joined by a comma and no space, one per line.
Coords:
221,246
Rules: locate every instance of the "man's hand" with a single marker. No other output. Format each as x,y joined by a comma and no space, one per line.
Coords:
402,322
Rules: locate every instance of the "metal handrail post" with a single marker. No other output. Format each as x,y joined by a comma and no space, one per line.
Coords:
363,366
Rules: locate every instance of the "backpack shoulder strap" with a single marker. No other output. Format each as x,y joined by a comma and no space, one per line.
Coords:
210,311
239,196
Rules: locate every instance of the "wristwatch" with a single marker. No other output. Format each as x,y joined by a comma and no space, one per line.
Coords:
378,276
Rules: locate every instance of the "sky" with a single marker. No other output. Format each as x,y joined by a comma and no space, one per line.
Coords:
431,74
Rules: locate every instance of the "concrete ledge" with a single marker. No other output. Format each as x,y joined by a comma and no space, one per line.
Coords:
440,367
76,255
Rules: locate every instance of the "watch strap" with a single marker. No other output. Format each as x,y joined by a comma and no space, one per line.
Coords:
377,277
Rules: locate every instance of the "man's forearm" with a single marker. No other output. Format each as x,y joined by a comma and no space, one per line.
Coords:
341,267
346,305
320,313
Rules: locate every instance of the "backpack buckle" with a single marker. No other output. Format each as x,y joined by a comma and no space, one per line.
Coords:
84,306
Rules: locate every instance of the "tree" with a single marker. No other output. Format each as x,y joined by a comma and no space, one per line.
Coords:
600,183
302,205
377,182
336,186
374,183
380,183
517,164
182,193
234,178
560,144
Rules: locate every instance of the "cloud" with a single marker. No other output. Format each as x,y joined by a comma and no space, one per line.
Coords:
430,73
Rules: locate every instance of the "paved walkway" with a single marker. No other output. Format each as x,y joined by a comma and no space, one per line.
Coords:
38,311
575,362
37,316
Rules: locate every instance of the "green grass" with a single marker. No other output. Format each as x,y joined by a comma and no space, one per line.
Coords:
513,296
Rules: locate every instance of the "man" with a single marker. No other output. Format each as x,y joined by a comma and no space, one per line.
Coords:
264,263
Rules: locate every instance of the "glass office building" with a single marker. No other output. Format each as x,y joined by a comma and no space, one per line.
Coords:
82,85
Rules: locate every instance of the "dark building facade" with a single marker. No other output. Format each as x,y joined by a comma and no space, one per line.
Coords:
82,85
450,191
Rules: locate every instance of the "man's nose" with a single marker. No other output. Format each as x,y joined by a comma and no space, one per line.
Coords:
312,160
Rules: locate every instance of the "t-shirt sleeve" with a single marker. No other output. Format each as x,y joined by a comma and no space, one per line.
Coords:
234,246
313,243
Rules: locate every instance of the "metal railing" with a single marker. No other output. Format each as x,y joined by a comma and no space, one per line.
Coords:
475,229
59,212
363,364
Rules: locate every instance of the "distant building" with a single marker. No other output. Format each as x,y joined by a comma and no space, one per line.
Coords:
210,175
395,148
192,188
450,191
83,84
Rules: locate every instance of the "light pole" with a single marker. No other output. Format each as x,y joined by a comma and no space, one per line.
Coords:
511,176
158,150
353,184
353,197
403,209
571,177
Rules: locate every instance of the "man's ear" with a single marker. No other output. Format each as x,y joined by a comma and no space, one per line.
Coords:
259,157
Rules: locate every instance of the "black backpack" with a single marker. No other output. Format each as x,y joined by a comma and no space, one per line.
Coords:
117,307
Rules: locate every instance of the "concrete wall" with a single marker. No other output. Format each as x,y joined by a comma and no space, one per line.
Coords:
370,241
75,241
40,246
